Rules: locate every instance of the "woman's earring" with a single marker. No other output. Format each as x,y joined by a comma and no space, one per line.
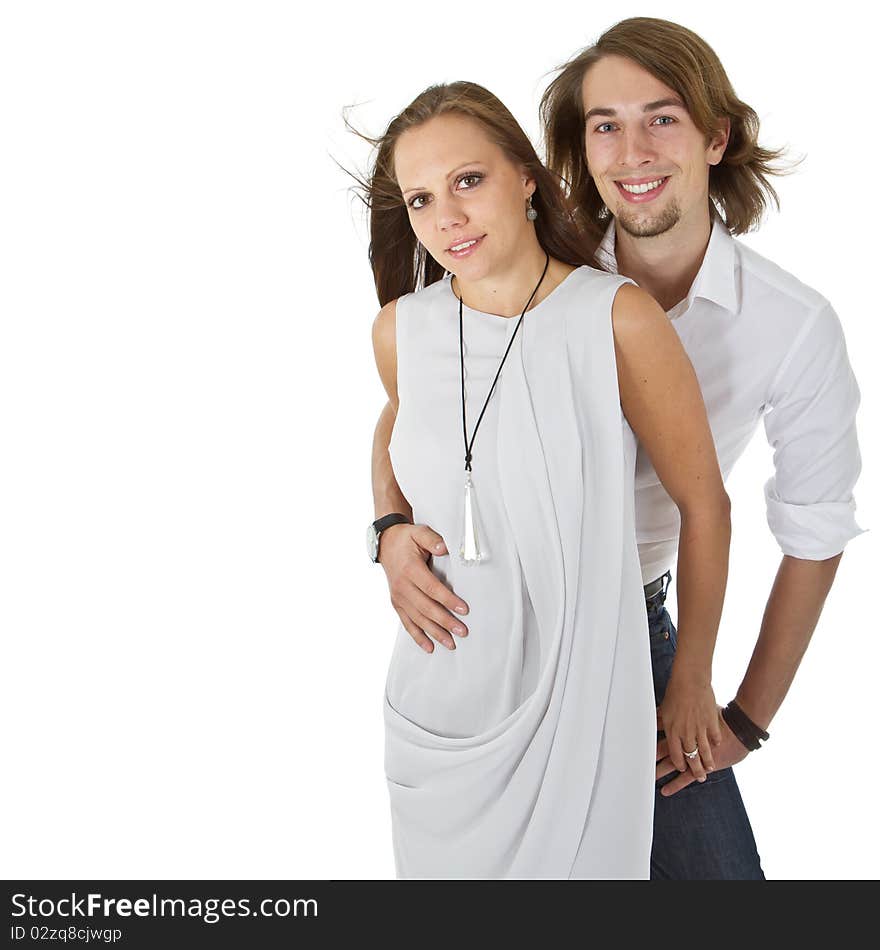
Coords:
531,213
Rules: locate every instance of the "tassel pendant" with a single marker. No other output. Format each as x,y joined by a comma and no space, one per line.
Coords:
470,551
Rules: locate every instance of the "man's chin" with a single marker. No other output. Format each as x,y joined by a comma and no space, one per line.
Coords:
640,225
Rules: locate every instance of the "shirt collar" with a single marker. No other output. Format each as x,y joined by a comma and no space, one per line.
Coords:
716,279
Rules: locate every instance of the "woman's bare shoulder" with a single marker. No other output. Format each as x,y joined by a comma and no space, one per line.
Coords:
385,326
639,322
385,347
633,308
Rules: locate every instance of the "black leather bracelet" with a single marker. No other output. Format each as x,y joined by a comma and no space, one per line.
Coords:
735,726
743,727
757,730
745,724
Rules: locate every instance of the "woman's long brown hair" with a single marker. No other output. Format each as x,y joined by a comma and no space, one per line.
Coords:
399,262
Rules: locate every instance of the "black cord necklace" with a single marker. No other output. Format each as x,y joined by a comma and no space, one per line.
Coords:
470,550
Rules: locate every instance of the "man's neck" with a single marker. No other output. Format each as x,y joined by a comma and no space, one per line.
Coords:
666,265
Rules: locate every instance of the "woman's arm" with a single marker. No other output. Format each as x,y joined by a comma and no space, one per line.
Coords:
661,399
385,349
422,601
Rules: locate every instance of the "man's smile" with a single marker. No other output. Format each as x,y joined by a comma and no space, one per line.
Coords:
640,190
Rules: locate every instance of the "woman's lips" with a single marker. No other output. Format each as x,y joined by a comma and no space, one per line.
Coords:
638,199
467,251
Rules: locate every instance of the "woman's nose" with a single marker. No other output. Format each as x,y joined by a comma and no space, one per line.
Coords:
449,213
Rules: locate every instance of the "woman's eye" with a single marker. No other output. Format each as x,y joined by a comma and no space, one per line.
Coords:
469,181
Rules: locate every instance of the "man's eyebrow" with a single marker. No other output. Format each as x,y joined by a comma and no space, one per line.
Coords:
454,171
648,107
663,103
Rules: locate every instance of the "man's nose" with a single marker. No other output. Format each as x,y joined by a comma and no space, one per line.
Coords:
636,148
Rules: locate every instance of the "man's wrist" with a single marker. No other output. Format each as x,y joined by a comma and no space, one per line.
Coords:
382,535
377,528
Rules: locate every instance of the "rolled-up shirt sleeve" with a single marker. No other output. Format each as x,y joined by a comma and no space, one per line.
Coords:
810,421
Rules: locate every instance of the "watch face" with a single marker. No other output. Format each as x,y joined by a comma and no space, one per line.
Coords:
372,542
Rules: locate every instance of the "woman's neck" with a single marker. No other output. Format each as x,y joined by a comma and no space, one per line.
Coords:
505,294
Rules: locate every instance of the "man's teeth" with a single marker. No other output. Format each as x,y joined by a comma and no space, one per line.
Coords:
461,247
641,189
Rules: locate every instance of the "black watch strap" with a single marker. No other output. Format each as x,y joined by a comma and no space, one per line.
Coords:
386,521
374,535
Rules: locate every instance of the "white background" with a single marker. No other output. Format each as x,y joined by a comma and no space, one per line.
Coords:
194,642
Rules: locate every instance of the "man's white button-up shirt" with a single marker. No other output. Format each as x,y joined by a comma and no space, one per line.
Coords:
764,346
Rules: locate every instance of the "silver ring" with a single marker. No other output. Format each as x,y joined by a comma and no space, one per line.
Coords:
692,755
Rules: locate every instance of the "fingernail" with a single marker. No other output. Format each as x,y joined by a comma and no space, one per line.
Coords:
460,608
439,546
449,643
460,631
425,647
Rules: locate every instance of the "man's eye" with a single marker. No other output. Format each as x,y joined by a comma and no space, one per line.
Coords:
604,125
666,119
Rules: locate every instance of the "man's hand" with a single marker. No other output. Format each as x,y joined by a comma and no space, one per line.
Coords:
422,601
727,752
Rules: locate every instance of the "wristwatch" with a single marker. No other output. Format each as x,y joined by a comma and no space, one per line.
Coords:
376,528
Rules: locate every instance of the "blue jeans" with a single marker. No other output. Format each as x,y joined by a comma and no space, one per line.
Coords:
701,832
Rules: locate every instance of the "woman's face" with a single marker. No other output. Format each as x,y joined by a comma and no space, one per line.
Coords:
466,200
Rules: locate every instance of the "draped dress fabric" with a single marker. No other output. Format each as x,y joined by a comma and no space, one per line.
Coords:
528,751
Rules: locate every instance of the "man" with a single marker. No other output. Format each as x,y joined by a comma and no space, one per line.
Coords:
664,167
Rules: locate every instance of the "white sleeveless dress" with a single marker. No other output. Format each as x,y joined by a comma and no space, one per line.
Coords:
528,751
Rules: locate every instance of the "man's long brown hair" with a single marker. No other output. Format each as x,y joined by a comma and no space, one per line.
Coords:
739,185
400,264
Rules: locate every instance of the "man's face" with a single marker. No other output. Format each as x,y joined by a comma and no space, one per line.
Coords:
649,161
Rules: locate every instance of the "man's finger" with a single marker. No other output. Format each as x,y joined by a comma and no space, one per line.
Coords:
432,587
664,767
424,606
430,540
434,630
417,634
677,784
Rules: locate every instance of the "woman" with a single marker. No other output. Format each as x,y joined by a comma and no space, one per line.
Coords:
521,383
